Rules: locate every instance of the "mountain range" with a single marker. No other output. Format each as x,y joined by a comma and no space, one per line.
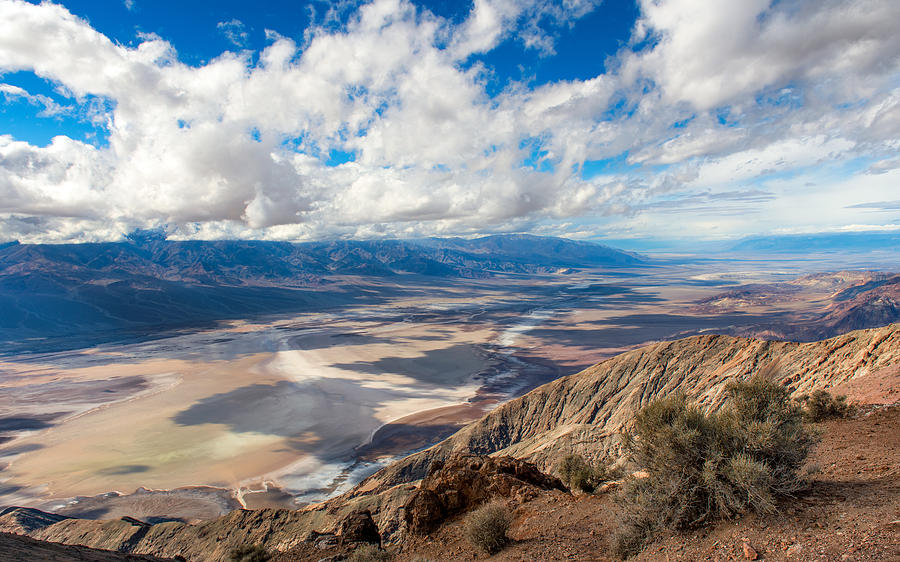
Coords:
846,300
149,283
856,242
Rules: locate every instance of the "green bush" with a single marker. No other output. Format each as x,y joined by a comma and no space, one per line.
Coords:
369,553
578,474
249,553
821,405
706,466
486,527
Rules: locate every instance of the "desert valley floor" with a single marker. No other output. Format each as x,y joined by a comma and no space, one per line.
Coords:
288,410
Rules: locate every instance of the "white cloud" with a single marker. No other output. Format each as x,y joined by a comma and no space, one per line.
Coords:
50,107
235,31
710,54
231,148
532,21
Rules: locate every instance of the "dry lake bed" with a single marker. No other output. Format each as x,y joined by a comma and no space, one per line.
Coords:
290,410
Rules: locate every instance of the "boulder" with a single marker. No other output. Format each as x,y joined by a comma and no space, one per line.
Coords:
463,482
359,527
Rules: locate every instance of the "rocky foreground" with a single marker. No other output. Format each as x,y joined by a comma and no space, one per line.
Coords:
851,513
584,413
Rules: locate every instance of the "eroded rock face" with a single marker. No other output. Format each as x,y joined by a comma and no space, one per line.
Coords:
26,520
463,482
359,527
424,511
585,413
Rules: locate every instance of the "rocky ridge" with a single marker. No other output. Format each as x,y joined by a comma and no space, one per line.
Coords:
587,411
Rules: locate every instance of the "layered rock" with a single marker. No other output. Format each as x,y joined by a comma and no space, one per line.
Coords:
586,412
464,482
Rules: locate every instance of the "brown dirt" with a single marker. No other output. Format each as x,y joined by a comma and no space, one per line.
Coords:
850,513
881,386
18,548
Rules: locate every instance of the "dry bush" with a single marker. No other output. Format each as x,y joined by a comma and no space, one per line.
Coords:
707,466
486,527
369,553
249,553
821,405
579,474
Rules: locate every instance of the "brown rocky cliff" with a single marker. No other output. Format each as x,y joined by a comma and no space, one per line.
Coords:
24,520
464,482
585,412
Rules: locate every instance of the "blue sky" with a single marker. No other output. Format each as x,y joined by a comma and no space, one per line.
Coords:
297,121
202,30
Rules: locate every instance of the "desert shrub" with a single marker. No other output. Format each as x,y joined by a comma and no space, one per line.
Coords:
486,527
821,405
249,553
579,474
369,553
706,466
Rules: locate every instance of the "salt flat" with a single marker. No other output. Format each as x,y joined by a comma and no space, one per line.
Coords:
224,421
287,410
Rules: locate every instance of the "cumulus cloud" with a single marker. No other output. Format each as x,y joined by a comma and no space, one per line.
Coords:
710,54
533,22
705,101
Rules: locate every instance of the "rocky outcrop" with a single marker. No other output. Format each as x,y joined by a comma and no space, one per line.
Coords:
25,520
464,482
359,527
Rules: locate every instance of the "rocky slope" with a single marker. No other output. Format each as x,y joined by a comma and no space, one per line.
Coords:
586,412
19,548
851,513
583,412
846,300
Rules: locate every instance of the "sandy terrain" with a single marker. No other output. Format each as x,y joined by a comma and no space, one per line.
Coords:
302,407
281,415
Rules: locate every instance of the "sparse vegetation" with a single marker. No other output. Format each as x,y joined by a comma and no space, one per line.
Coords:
249,553
486,527
369,553
821,405
702,467
579,474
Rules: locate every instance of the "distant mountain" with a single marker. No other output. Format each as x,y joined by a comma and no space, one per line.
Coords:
86,290
558,252
820,243
849,300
